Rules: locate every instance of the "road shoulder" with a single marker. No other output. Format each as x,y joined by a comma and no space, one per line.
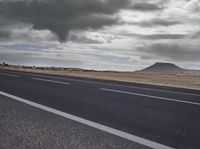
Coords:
23,126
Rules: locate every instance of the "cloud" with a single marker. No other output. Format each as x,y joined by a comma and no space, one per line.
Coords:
145,7
33,59
156,36
61,16
156,22
83,39
4,35
172,51
26,47
163,36
159,22
194,6
196,35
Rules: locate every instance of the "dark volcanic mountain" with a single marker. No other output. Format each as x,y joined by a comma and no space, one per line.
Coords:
169,68
163,67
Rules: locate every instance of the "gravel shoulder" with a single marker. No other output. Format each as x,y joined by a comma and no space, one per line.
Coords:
23,126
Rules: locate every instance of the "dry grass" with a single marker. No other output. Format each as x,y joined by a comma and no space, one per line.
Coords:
178,80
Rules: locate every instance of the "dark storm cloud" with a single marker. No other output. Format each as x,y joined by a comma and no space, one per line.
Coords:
146,7
163,36
196,35
159,22
172,51
61,16
156,36
156,23
83,39
4,35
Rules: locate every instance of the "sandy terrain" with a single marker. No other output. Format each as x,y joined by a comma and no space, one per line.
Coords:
176,80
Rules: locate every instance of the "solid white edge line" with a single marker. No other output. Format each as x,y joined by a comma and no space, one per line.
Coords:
52,81
104,128
154,97
9,75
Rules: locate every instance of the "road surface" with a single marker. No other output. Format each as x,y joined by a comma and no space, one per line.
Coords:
164,115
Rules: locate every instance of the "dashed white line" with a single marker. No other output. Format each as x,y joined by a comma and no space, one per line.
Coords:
111,84
9,75
120,85
104,128
150,96
52,81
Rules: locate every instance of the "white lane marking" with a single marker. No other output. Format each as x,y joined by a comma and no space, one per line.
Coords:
120,85
154,97
104,128
52,81
9,75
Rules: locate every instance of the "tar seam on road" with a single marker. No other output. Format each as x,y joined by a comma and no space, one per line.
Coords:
52,81
120,85
104,128
9,75
150,96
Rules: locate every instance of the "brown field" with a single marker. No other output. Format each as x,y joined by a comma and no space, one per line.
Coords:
176,80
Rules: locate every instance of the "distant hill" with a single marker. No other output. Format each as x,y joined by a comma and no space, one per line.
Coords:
169,68
163,67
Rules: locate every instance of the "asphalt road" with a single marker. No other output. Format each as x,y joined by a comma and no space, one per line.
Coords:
170,116
26,127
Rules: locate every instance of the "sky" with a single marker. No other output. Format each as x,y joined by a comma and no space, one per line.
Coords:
122,35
